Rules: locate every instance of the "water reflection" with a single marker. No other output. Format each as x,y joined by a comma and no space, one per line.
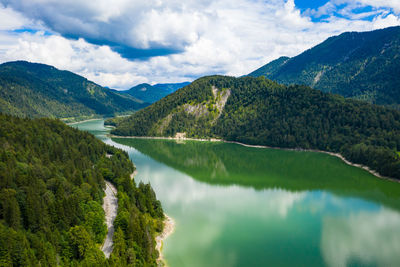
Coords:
228,164
236,206
283,220
224,226
370,238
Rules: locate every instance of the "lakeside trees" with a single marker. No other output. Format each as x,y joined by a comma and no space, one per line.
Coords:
51,190
263,112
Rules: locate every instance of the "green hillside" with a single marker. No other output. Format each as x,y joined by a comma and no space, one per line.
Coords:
270,69
361,65
51,190
259,111
38,90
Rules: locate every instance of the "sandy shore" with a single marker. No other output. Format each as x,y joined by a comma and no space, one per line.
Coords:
169,227
133,174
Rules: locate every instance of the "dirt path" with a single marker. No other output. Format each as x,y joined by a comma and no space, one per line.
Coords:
110,206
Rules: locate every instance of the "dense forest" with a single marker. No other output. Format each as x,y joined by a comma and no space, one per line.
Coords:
259,111
38,90
361,65
51,192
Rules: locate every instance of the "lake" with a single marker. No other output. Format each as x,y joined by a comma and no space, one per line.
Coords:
241,206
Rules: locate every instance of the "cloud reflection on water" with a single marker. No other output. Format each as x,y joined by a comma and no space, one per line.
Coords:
367,237
226,225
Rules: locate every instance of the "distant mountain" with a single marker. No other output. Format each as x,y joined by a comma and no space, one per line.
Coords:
362,65
152,93
261,112
38,90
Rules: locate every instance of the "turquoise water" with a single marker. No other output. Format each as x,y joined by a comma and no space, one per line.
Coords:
239,206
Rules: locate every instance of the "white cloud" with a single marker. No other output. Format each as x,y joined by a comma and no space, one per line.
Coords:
394,4
11,20
292,17
347,8
383,22
97,63
230,37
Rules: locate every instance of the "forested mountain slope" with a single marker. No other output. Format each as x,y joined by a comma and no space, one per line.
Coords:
51,190
38,90
362,65
152,93
259,111
270,69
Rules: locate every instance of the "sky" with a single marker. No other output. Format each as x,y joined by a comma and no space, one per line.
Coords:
121,43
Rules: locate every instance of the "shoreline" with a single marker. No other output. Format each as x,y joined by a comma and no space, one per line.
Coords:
94,119
133,174
169,227
338,155
170,138
76,122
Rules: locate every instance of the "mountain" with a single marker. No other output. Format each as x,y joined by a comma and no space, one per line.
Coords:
51,194
38,90
152,93
270,69
258,111
361,65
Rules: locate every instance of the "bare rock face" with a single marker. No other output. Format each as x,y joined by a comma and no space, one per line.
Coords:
209,110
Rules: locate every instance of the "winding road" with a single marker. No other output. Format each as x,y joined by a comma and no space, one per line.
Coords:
110,206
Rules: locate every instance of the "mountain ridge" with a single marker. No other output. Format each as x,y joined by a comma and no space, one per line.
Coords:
151,93
39,90
361,65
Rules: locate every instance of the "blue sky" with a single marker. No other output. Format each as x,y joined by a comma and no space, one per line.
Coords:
313,4
367,10
121,43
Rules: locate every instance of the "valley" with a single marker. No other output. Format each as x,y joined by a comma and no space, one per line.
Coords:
109,159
